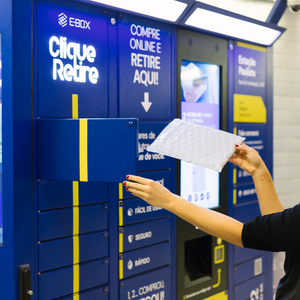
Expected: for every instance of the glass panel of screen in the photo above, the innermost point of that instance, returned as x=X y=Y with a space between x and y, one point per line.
x=200 y=104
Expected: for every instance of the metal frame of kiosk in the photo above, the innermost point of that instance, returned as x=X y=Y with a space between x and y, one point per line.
x=205 y=277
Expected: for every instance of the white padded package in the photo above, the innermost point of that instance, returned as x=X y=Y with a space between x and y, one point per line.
x=197 y=144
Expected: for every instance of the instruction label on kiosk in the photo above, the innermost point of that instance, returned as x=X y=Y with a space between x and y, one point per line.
x=154 y=285
x=145 y=259
x=148 y=132
x=144 y=68
x=137 y=210
x=145 y=234
x=245 y=192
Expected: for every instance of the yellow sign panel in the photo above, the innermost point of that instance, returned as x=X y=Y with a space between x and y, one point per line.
x=249 y=109
x=219 y=296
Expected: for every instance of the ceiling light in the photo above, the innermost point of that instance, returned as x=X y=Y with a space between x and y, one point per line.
x=222 y=24
x=169 y=10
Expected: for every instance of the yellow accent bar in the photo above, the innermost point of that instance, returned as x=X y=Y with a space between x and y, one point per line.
x=120 y=191
x=75 y=193
x=75 y=106
x=249 y=109
x=219 y=279
x=76 y=239
x=121 y=274
x=120 y=214
x=254 y=47
x=235 y=131
x=76 y=279
x=234 y=197
x=120 y=242
x=83 y=149
x=219 y=296
x=234 y=175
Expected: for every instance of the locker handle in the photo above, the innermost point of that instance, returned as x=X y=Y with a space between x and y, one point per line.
x=25 y=291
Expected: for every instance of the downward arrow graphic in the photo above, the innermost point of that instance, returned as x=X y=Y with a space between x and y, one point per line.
x=146 y=104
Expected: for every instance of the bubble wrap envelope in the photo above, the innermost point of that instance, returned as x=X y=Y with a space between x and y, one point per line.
x=196 y=144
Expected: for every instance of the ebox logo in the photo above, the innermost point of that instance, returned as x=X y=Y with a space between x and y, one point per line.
x=62 y=20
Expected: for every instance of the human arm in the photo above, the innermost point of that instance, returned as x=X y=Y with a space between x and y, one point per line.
x=250 y=161
x=207 y=220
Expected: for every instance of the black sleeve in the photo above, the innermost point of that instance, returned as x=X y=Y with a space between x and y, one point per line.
x=274 y=232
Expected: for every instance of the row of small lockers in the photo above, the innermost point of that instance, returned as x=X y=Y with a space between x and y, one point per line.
x=55 y=235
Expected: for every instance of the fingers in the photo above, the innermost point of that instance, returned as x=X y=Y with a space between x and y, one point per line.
x=138 y=179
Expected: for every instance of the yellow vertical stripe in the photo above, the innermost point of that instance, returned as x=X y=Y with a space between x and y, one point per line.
x=75 y=106
x=120 y=191
x=76 y=240
x=121 y=274
x=234 y=175
x=83 y=149
x=76 y=281
x=234 y=130
x=234 y=196
x=120 y=242
x=120 y=214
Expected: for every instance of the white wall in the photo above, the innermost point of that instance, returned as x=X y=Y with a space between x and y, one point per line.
x=287 y=110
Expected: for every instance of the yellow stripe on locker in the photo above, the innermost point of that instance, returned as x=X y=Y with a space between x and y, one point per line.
x=234 y=175
x=83 y=149
x=75 y=106
x=234 y=131
x=76 y=239
x=249 y=46
x=76 y=297
x=76 y=281
x=120 y=214
x=120 y=191
x=120 y=242
x=121 y=274
x=234 y=197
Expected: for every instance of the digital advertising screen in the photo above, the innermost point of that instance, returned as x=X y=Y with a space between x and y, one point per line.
x=200 y=104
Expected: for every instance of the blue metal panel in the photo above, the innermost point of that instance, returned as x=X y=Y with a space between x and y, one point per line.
x=146 y=259
x=59 y=253
x=8 y=277
x=138 y=210
x=120 y=140
x=163 y=177
x=146 y=61
x=145 y=234
x=59 y=194
x=252 y=289
x=244 y=254
x=58 y=144
x=148 y=131
x=245 y=192
x=248 y=270
x=246 y=211
x=59 y=283
x=57 y=224
x=58 y=147
x=154 y=283
x=101 y=293
x=81 y=25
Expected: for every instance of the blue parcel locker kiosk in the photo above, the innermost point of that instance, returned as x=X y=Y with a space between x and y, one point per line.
x=201 y=99
x=85 y=90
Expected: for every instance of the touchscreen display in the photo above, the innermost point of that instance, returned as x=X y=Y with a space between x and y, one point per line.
x=200 y=104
